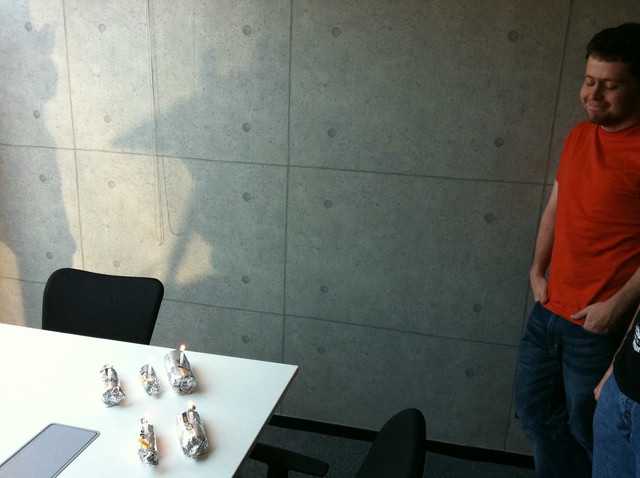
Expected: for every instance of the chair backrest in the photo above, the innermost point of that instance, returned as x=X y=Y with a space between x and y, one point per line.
x=100 y=305
x=399 y=448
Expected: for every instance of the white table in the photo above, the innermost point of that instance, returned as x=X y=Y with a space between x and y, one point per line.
x=52 y=377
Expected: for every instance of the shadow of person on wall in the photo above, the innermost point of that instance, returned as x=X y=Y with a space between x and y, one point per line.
x=221 y=198
x=34 y=231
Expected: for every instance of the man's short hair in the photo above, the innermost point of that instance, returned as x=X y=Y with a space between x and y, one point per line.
x=620 y=44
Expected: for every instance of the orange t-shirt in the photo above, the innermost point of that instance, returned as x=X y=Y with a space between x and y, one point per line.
x=596 y=247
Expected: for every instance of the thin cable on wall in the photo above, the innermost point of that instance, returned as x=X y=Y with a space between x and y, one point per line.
x=158 y=178
x=161 y=195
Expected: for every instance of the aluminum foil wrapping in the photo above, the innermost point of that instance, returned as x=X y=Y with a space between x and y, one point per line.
x=181 y=377
x=191 y=435
x=149 y=380
x=113 y=393
x=147 y=450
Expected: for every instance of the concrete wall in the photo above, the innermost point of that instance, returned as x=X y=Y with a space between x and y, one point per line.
x=350 y=186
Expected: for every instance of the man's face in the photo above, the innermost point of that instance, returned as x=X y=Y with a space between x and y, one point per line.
x=610 y=95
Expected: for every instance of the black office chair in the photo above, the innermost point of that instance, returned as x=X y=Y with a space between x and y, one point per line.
x=398 y=451
x=100 y=305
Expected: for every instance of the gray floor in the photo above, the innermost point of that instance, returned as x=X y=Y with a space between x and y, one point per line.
x=345 y=455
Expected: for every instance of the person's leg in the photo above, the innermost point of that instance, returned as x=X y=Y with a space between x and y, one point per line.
x=539 y=396
x=613 y=451
x=585 y=357
x=635 y=435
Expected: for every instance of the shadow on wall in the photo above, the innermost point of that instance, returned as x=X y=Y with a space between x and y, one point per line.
x=34 y=230
x=222 y=222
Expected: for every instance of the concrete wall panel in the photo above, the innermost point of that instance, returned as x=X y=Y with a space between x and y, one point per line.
x=213 y=232
x=34 y=84
x=222 y=91
x=218 y=330
x=39 y=227
x=411 y=254
x=435 y=88
x=21 y=302
x=109 y=73
x=118 y=196
x=345 y=378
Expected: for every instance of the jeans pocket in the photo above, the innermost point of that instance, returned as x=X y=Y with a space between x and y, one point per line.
x=600 y=335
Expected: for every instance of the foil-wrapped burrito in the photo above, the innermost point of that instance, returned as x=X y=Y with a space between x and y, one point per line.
x=149 y=380
x=181 y=377
x=113 y=393
x=191 y=435
x=147 y=450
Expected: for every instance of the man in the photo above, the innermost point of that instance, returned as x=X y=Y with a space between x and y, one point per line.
x=589 y=240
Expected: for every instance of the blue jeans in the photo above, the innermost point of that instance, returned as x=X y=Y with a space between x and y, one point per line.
x=616 y=434
x=560 y=364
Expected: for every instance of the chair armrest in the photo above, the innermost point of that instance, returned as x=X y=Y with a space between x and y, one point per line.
x=281 y=461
